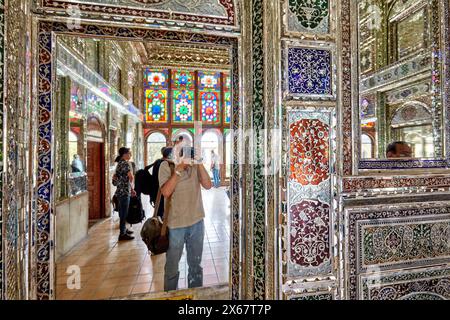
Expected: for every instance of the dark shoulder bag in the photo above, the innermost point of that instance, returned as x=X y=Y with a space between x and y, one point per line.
x=155 y=233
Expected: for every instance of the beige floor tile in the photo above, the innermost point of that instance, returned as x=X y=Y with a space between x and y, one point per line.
x=141 y=288
x=122 y=291
x=127 y=280
x=116 y=269
x=144 y=279
x=104 y=293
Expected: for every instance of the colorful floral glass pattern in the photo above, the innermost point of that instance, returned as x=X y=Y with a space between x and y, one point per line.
x=210 y=107
x=227 y=107
x=156 y=105
x=227 y=98
x=309 y=72
x=209 y=80
x=183 y=79
x=156 y=79
x=156 y=85
x=309 y=233
x=209 y=84
x=183 y=110
x=309 y=151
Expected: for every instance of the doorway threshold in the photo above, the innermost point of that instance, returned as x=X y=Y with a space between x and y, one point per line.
x=218 y=292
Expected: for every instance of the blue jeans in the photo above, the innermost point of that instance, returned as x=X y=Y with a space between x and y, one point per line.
x=216 y=178
x=124 y=203
x=193 y=237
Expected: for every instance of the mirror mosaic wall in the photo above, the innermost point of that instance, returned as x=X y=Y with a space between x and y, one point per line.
x=401 y=78
x=357 y=76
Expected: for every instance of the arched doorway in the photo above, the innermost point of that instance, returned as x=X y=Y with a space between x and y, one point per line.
x=95 y=169
x=366 y=147
x=211 y=142
x=155 y=142
x=187 y=137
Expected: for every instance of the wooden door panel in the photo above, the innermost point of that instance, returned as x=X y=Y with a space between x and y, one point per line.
x=95 y=174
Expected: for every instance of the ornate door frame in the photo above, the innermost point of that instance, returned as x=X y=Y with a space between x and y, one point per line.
x=47 y=31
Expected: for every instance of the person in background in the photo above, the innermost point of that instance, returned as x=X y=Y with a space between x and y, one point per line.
x=398 y=149
x=123 y=179
x=215 y=168
x=77 y=165
x=185 y=218
x=166 y=153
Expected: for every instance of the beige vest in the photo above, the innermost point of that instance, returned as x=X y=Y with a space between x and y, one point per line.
x=186 y=208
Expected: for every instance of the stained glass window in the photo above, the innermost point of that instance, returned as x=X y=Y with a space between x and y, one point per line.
x=209 y=85
x=227 y=98
x=156 y=83
x=209 y=80
x=183 y=100
x=183 y=96
x=210 y=107
x=156 y=79
x=156 y=105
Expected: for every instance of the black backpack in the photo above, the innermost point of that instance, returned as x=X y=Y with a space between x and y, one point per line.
x=146 y=182
x=135 y=211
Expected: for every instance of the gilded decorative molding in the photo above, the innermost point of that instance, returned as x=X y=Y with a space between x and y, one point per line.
x=189 y=56
x=145 y=14
x=398 y=183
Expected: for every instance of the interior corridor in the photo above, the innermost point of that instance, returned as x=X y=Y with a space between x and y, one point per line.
x=112 y=269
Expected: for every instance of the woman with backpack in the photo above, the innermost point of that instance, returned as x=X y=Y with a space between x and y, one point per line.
x=123 y=180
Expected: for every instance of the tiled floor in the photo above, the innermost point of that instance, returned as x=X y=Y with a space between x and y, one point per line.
x=112 y=269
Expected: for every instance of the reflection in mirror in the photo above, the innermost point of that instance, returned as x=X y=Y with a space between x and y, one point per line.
x=400 y=103
x=96 y=115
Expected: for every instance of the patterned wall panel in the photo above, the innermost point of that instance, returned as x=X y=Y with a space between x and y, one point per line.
x=309 y=73
x=45 y=183
x=308 y=16
x=419 y=284
x=188 y=12
x=16 y=147
x=309 y=193
x=259 y=219
x=44 y=267
x=382 y=238
x=313 y=297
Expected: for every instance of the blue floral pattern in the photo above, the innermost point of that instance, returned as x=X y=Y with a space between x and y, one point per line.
x=309 y=71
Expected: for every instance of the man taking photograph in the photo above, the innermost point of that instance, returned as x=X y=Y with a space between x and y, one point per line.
x=185 y=217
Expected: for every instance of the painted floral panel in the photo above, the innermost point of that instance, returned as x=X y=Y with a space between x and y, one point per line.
x=309 y=233
x=309 y=154
x=308 y=16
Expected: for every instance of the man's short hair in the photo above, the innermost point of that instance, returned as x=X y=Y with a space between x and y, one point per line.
x=392 y=147
x=180 y=138
x=166 y=152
